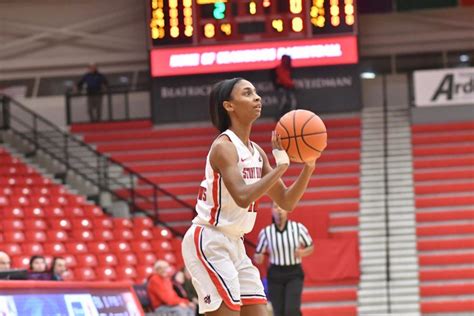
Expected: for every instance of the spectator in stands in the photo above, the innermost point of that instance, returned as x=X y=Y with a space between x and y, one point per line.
x=4 y=261
x=178 y=284
x=285 y=275
x=38 y=269
x=162 y=295
x=58 y=267
x=95 y=83
x=189 y=287
x=285 y=86
x=183 y=286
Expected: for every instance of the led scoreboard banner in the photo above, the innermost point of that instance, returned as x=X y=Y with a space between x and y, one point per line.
x=206 y=36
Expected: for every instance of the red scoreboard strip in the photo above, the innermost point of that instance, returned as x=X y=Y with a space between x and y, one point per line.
x=253 y=56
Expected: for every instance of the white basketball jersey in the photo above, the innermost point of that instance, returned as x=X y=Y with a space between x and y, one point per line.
x=215 y=206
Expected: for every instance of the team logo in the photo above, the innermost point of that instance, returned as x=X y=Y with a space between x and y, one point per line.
x=207 y=299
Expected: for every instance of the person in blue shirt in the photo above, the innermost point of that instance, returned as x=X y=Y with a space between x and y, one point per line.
x=95 y=84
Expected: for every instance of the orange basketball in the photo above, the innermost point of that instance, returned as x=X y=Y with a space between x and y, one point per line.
x=303 y=135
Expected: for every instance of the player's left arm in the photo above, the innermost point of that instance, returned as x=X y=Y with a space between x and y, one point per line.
x=287 y=197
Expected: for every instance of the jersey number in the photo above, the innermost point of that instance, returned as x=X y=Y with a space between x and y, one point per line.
x=252 y=208
x=202 y=194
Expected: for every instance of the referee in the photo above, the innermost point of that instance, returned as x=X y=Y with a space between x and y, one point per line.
x=286 y=242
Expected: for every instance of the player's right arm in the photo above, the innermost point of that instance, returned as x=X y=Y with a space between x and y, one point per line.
x=224 y=160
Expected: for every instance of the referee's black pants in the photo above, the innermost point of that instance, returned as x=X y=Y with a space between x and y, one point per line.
x=285 y=285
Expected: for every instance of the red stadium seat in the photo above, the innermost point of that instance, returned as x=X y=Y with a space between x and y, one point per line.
x=11 y=249
x=35 y=224
x=143 y=234
x=36 y=236
x=54 y=248
x=161 y=233
x=34 y=212
x=32 y=248
x=103 y=223
x=54 y=212
x=68 y=275
x=74 y=211
x=143 y=272
x=12 y=224
x=168 y=256
x=126 y=273
x=161 y=245
x=83 y=235
x=146 y=258
x=107 y=259
x=123 y=234
x=86 y=260
x=122 y=223
x=40 y=200
x=91 y=211
x=12 y=212
x=13 y=236
x=98 y=247
x=18 y=200
x=119 y=246
x=76 y=247
x=4 y=200
x=70 y=261
x=103 y=234
x=57 y=235
x=74 y=200
x=84 y=274
x=20 y=261
x=140 y=246
x=60 y=224
x=143 y=222
x=127 y=258
x=81 y=223
x=105 y=274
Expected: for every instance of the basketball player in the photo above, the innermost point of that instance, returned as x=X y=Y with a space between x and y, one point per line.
x=237 y=174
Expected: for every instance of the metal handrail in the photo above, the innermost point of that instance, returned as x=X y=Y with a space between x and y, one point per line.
x=109 y=92
x=5 y=103
x=103 y=161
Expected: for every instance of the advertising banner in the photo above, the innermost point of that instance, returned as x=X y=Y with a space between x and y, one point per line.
x=444 y=87
x=319 y=89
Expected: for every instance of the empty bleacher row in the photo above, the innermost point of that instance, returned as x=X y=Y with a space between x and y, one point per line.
x=444 y=195
x=41 y=217
x=174 y=157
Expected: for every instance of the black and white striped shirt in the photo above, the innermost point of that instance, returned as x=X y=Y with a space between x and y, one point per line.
x=281 y=245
